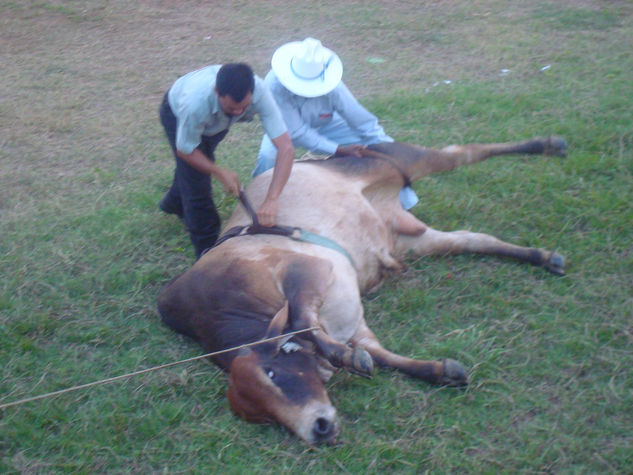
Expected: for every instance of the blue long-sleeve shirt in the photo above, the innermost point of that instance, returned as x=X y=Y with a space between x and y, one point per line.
x=304 y=116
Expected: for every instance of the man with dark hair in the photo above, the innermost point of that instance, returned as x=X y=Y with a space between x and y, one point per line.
x=236 y=80
x=196 y=113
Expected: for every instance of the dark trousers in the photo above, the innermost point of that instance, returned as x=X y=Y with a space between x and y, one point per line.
x=190 y=194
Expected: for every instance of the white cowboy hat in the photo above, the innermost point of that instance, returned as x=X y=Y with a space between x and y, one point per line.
x=307 y=68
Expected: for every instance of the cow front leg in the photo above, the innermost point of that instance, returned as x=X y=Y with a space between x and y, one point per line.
x=305 y=284
x=354 y=359
x=446 y=372
x=437 y=243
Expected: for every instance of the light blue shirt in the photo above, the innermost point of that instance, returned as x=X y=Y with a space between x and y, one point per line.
x=195 y=105
x=304 y=116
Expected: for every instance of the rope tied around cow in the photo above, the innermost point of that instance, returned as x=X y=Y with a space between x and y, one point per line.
x=297 y=233
x=155 y=368
x=292 y=232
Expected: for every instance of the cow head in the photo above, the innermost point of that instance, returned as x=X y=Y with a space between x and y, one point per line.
x=280 y=382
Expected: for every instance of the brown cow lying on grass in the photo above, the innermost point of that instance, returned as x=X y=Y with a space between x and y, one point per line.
x=351 y=229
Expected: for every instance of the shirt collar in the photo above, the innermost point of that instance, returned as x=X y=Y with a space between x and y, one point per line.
x=214 y=103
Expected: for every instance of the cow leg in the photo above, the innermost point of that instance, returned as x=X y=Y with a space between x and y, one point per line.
x=354 y=359
x=417 y=162
x=455 y=156
x=305 y=284
x=434 y=243
x=444 y=372
x=403 y=222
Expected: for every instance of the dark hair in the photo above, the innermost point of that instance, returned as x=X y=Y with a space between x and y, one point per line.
x=236 y=80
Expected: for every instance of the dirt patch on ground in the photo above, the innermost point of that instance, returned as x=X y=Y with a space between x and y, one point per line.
x=82 y=81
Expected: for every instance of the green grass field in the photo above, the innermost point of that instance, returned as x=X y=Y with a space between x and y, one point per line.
x=84 y=250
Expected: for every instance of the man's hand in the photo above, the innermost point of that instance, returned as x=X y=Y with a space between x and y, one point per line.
x=267 y=212
x=350 y=150
x=229 y=179
x=198 y=160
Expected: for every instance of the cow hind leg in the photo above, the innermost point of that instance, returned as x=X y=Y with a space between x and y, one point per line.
x=472 y=153
x=446 y=372
x=403 y=222
x=418 y=162
x=454 y=156
x=437 y=243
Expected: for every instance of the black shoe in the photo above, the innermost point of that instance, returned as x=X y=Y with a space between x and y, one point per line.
x=167 y=207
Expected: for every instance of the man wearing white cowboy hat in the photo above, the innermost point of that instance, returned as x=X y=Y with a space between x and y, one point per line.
x=321 y=114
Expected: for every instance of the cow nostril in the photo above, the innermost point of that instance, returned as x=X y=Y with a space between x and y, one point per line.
x=322 y=428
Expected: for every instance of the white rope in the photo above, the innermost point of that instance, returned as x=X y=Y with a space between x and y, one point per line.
x=136 y=373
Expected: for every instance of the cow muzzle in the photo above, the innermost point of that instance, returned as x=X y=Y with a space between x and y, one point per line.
x=316 y=424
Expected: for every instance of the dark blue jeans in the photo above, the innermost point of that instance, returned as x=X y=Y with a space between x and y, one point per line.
x=190 y=194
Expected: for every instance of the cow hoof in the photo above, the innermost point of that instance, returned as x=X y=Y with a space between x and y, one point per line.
x=454 y=374
x=556 y=146
x=555 y=264
x=362 y=362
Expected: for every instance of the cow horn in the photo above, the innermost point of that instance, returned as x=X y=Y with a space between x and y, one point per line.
x=276 y=327
x=244 y=352
x=278 y=323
